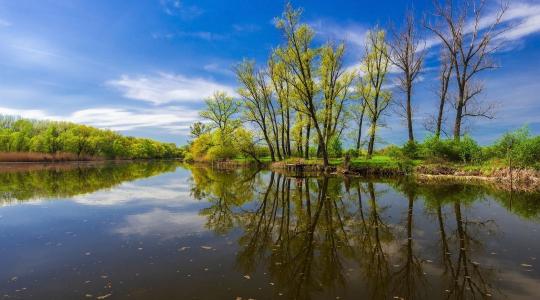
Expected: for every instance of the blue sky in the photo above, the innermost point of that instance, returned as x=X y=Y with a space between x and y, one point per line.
x=144 y=67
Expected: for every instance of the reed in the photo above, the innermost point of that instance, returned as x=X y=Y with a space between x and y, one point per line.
x=44 y=157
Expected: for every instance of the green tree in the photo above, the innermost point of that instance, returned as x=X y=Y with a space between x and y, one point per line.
x=375 y=67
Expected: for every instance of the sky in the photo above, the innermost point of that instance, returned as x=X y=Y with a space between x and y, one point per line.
x=143 y=68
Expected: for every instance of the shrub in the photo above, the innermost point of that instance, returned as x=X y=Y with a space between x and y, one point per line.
x=519 y=147
x=411 y=150
x=435 y=148
x=468 y=149
x=335 y=149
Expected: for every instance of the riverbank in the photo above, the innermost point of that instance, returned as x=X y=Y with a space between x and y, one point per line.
x=500 y=176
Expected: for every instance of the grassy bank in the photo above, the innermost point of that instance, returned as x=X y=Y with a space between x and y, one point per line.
x=493 y=171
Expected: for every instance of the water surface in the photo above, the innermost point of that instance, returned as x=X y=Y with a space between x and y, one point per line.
x=162 y=231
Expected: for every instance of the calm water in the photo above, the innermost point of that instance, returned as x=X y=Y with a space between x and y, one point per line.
x=164 y=231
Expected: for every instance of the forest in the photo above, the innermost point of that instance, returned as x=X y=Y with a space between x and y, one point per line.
x=304 y=103
x=34 y=140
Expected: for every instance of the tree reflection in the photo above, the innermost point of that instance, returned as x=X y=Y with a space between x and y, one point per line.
x=319 y=236
x=461 y=246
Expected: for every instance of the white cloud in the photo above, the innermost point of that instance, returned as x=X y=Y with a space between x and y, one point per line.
x=528 y=21
x=173 y=119
x=520 y=20
x=167 y=88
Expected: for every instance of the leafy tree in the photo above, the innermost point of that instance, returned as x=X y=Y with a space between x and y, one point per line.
x=375 y=67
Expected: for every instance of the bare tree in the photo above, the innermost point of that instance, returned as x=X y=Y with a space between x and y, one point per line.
x=406 y=55
x=469 y=38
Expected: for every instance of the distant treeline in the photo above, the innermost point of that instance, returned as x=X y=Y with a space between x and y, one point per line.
x=73 y=141
x=69 y=180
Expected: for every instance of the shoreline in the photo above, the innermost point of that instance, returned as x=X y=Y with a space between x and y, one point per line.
x=517 y=179
x=521 y=179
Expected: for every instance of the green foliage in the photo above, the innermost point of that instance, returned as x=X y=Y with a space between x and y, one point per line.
x=212 y=146
x=439 y=149
x=22 y=135
x=335 y=147
x=468 y=149
x=411 y=150
x=519 y=148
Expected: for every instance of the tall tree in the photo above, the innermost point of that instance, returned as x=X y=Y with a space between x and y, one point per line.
x=257 y=97
x=278 y=75
x=469 y=35
x=406 y=55
x=300 y=57
x=334 y=84
x=375 y=68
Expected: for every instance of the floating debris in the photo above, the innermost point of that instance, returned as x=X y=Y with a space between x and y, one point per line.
x=183 y=248
x=206 y=247
x=104 y=296
x=526 y=265
x=247 y=277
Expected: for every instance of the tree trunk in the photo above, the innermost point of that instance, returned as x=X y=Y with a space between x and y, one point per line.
x=270 y=147
x=459 y=116
x=359 y=138
x=409 y=113
x=306 y=151
x=371 y=144
x=440 y=118
x=288 y=131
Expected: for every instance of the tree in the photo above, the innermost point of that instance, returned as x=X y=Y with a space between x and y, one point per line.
x=278 y=75
x=470 y=45
x=220 y=111
x=257 y=103
x=375 y=68
x=299 y=57
x=334 y=85
x=406 y=55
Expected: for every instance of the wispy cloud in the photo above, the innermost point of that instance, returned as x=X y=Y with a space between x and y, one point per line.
x=180 y=9
x=247 y=28
x=520 y=20
x=218 y=69
x=199 y=35
x=165 y=88
x=524 y=19
x=354 y=35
